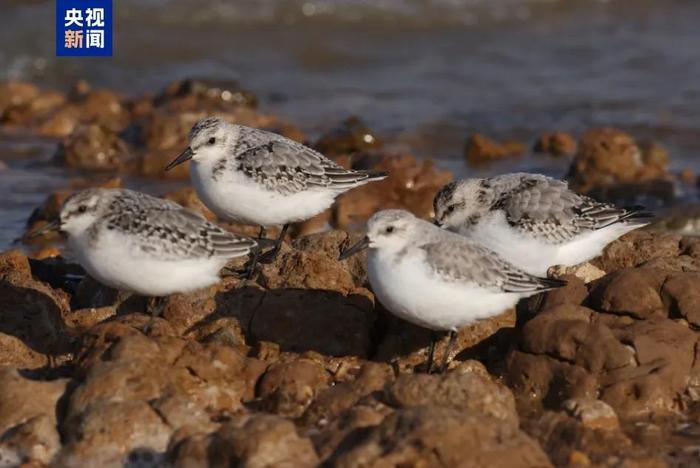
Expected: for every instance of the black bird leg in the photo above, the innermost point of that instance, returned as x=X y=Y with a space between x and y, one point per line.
x=271 y=254
x=448 y=351
x=156 y=305
x=434 y=337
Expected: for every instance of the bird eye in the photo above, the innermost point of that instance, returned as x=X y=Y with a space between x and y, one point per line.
x=82 y=209
x=211 y=141
x=450 y=208
x=389 y=229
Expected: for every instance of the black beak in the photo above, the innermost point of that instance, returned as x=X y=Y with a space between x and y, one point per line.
x=52 y=226
x=359 y=247
x=437 y=223
x=184 y=156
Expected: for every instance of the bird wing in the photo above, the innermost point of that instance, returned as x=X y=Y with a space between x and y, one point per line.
x=470 y=263
x=289 y=167
x=168 y=231
x=547 y=209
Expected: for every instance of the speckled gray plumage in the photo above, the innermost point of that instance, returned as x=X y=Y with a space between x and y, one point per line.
x=542 y=207
x=456 y=258
x=161 y=228
x=286 y=166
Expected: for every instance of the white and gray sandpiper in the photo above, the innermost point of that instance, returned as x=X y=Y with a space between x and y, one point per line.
x=146 y=245
x=261 y=178
x=533 y=221
x=438 y=279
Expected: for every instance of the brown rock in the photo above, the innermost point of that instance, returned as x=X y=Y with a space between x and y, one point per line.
x=440 y=436
x=608 y=156
x=351 y=136
x=635 y=366
x=406 y=345
x=481 y=149
x=411 y=185
x=468 y=392
x=28 y=416
x=636 y=248
x=311 y=319
x=15 y=94
x=93 y=147
x=594 y=414
x=217 y=93
x=104 y=108
x=288 y=388
x=32 y=312
x=681 y=295
x=255 y=441
x=632 y=292
x=556 y=144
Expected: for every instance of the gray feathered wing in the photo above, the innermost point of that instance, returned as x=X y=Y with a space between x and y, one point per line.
x=549 y=210
x=291 y=167
x=470 y=263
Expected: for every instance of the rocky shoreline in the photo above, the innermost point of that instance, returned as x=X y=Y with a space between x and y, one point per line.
x=303 y=367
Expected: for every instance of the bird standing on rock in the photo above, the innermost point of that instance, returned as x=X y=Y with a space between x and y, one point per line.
x=437 y=279
x=257 y=177
x=533 y=221
x=131 y=241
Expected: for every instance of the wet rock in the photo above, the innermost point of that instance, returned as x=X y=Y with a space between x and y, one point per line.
x=206 y=93
x=608 y=156
x=411 y=185
x=103 y=108
x=440 y=436
x=288 y=388
x=15 y=94
x=481 y=149
x=28 y=417
x=351 y=136
x=556 y=144
x=468 y=392
x=94 y=148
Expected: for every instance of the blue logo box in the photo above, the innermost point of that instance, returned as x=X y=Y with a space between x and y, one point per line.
x=84 y=28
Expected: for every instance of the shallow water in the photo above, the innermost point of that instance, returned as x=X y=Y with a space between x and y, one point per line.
x=423 y=72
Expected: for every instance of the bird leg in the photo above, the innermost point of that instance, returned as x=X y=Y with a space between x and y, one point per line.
x=156 y=305
x=263 y=232
x=270 y=255
x=448 y=351
x=431 y=351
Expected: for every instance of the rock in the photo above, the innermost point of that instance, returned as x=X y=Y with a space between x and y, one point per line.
x=635 y=248
x=481 y=149
x=288 y=388
x=468 y=392
x=32 y=312
x=15 y=94
x=103 y=108
x=206 y=92
x=570 y=351
x=406 y=345
x=586 y=272
x=556 y=144
x=351 y=136
x=441 y=436
x=608 y=156
x=594 y=414
x=94 y=148
x=632 y=292
x=311 y=319
x=681 y=296
x=28 y=416
x=255 y=440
